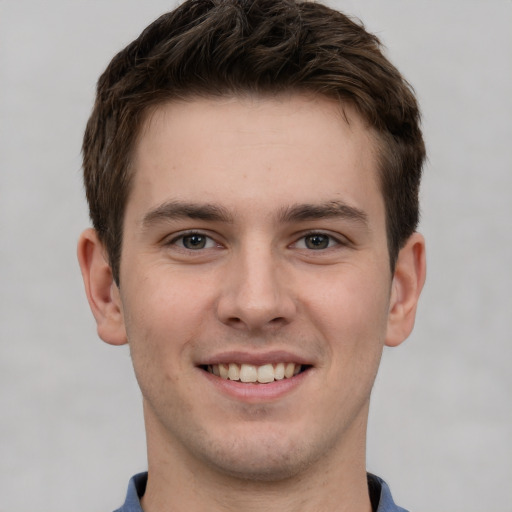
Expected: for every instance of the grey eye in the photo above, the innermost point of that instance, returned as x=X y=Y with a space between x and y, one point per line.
x=194 y=241
x=317 y=241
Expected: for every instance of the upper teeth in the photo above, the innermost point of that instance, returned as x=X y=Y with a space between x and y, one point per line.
x=252 y=373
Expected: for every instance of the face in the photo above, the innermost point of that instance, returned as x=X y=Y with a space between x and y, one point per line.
x=254 y=282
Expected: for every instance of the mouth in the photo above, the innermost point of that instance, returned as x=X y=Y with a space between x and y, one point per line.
x=256 y=374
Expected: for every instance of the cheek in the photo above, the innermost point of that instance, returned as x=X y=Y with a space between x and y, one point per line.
x=162 y=321
x=352 y=306
x=166 y=304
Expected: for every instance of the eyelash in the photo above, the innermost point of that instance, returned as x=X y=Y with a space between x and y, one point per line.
x=190 y=234
x=332 y=241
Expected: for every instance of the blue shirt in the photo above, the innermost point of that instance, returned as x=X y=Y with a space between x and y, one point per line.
x=380 y=495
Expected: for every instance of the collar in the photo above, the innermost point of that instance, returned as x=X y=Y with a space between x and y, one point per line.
x=380 y=495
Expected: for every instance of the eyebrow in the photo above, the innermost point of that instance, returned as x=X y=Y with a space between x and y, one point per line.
x=331 y=209
x=173 y=210
x=178 y=210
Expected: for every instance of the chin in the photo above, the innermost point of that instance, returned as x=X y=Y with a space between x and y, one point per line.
x=264 y=458
x=261 y=470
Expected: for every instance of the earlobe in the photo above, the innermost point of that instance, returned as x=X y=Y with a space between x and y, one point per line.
x=408 y=280
x=100 y=288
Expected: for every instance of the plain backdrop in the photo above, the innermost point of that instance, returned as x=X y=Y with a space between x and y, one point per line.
x=71 y=425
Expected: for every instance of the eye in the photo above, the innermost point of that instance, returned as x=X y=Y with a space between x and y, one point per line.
x=194 y=241
x=316 y=242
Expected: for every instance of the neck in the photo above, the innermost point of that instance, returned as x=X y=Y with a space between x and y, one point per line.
x=172 y=492
x=180 y=482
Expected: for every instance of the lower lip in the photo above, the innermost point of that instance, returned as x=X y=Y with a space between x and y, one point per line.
x=254 y=392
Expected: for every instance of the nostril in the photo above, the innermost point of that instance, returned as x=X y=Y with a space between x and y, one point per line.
x=234 y=321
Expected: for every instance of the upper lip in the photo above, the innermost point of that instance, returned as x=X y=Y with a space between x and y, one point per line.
x=254 y=358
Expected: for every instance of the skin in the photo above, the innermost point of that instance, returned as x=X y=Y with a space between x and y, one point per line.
x=259 y=181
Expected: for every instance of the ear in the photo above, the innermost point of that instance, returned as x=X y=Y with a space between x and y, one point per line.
x=100 y=288
x=408 y=280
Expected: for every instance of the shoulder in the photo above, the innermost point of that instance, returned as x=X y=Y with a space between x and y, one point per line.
x=136 y=489
x=380 y=495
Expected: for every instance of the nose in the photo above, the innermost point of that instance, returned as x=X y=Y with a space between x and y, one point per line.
x=255 y=293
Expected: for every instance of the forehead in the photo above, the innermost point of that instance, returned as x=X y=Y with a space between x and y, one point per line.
x=295 y=148
x=285 y=110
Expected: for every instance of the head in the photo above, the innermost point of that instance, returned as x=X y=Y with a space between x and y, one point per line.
x=226 y=48
x=252 y=170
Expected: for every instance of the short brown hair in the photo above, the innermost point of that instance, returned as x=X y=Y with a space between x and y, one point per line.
x=230 y=47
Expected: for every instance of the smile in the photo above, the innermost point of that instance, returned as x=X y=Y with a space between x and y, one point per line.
x=250 y=373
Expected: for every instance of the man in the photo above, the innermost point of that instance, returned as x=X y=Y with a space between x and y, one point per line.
x=252 y=171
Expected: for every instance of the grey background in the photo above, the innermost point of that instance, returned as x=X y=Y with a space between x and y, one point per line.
x=71 y=425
